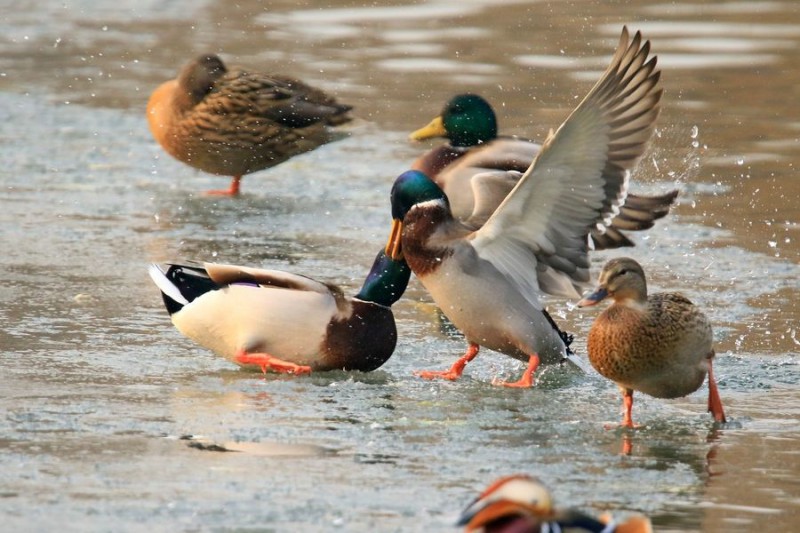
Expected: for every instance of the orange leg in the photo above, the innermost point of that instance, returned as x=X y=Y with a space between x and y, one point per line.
x=268 y=362
x=527 y=377
x=714 y=401
x=456 y=370
x=627 y=403
x=627 y=407
x=232 y=191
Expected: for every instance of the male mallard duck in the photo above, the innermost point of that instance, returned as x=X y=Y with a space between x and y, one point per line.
x=488 y=282
x=285 y=322
x=236 y=122
x=659 y=344
x=521 y=504
x=477 y=169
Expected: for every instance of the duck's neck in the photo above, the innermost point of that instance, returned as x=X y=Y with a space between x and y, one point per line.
x=436 y=160
x=427 y=230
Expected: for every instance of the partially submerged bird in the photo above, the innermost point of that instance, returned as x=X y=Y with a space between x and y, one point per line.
x=234 y=122
x=488 y=282
x=477 y=168
x=522 y=504
x=285 y=322
x=659 y=344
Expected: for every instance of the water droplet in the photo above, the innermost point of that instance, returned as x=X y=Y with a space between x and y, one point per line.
x=695 y=132
x=740 y=160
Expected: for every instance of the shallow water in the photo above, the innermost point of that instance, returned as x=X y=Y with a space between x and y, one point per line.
x=97 y=388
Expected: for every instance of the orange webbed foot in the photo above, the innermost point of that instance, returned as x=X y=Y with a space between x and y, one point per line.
x=268 y=362
x=455 y=371
x=526 y=381
x=438 y=374
x=233 y=190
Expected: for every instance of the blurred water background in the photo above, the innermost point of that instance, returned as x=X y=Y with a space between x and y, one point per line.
x=97 y=388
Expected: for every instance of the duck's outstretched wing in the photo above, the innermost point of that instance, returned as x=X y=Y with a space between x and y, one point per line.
x=578 y=180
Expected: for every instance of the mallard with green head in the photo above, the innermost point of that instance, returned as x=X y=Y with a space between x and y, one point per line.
x=285 y=322
x=489 y=282
x=522 y=504
x=660 y=344
x=477 y=168
x=234 y=122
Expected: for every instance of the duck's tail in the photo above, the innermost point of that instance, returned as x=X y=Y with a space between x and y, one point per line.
x=567 y=339
x=180 y=284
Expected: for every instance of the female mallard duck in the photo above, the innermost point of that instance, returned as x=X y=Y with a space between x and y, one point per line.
x=658 y=344
x=477 y=169
x=488 y=282
x=521 y=504
x=236 y=122
x=285 y=322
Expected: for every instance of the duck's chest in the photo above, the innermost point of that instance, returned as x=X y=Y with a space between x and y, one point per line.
x=624 y=343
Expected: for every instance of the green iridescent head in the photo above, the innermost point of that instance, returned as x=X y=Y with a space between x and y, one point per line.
x=411 y=188
x=386 y=282
x=469 y=120
x=466 y=120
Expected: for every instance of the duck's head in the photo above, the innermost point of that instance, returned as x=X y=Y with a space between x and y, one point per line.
x=622 y=279
x=198 y=77
x=411 y=188
x=386 y=282
x=466 y=120
x=513 y=503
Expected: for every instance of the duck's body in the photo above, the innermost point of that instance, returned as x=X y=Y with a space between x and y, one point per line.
x=268 y=317
x=659 y=344
x=517 y=328
x=236 y=122
x=522 y=504
x=489 y=281
x=477 y=169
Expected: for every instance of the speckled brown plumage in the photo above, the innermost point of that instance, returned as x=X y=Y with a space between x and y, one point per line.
x=646 y=348
x=234 y=122
x=659 y=344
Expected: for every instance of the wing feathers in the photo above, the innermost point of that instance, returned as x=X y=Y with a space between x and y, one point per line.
x=580 y=177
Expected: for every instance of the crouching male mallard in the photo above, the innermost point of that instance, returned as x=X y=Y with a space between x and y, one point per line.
x=281 y=321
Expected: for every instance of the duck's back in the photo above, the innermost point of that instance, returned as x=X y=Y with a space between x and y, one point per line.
x=661 y=349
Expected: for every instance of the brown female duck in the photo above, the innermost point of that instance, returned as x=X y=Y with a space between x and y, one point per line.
x=659 y=344
x=234 y=122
